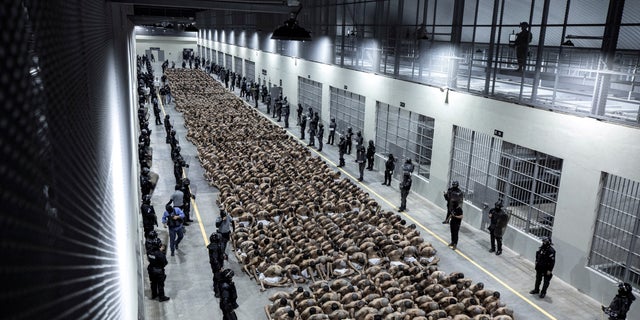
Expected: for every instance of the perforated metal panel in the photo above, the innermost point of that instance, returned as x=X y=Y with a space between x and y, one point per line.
x=59 y=258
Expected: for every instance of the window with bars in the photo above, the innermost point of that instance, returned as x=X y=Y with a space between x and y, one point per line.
x=220 y=58
x=615 y=249
x=250 y=70
x=348 y=110
x=527 y=180
x=310 y=95
x=237 y=65
x=228 y=62
x=406 y=135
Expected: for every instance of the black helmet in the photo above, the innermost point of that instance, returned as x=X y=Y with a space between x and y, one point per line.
x=152 y=234
x=499 y=204
x=214 y=237
x=146 y=199
x=228 y=274
x=156 y=243
x=166 y=117
x=168 y=207
x=546 y=240
x=455 y=184
x=186 y=182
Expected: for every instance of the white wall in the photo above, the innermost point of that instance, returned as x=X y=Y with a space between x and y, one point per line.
x=172 y=46
x=587 y=146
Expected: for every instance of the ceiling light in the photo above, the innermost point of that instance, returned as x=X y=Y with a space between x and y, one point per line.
x=291 y=30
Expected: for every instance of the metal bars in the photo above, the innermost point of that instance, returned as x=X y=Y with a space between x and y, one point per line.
x=405 y=134
x=615 y=249
x=489 y=168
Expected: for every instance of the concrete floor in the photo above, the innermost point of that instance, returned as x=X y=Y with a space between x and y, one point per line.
x=189 y=275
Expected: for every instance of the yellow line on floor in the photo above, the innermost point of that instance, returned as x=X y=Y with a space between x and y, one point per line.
x=193 y=202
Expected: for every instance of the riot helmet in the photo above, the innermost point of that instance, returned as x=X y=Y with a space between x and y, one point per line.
x=146 y=199
x=546 y=241
x=499 y=204
x=228 y=274
x=455 y=184
x=214 y=238
x=156 y=244
x=152 y=234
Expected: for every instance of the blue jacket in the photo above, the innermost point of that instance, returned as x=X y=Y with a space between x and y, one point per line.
x=176 y=223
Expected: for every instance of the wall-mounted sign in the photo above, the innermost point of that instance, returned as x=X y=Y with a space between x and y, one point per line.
x=345 y=87
x=402 y=104
x=264 y=72
x=498 y=133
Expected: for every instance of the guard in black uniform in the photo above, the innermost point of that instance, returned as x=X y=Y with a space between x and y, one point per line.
x=342 y=149
x=285 y=112
x=498 y=224
x=157 y=262
x=545 y=261
x=228 y=296
x=332 y=131
x=456 y=222
x=453 y=194
x=349 y=138
x=621 y=303
x=216 y=260
x=405 y=187
x=361 y=159
x=320 y=136
x=149 y=219
x=150 y=239
x=303 y=126
x=389 y=167
x=371 y=153
x=187 y=196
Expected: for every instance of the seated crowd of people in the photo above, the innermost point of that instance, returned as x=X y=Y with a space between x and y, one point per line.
x=299 y=224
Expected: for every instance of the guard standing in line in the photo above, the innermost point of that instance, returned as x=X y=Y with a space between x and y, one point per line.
x=156 y=110
x=285 y=112
x=456 y=221
x=621 y=303
x=150 y=239
x=453 y=194
x=313 y=127
x=320 y=136
x=186 y=199
x=405 y=187
x=342 y=149
x=545 y=261
x=157 y=262
x=303 y=126
x=149 y=219
x=268 y=103
x=167 y=128
x=361 y=159
x=216 y=260
x=359 y=139
x=371 y=152
x=497 y=226
x=299 y=111
x=389 y=167
x=228 y=296
x=173 y=218
x=349 y=138
x=224 y=225
x=332 y=131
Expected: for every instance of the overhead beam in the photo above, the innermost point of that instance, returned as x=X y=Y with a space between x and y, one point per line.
x=266 y=6
x=139 y=19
